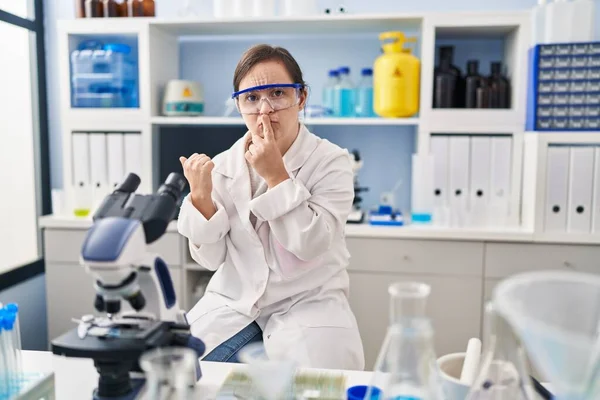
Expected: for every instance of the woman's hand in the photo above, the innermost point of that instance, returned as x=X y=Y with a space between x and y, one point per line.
x=198 y=172
x=264 y=155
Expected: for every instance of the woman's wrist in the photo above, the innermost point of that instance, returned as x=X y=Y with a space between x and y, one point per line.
x=204 y=205
x=277 y=178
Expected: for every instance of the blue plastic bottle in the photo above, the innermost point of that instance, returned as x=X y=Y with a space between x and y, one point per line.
x=364 y=95
x=328 y=90
x=343 y=104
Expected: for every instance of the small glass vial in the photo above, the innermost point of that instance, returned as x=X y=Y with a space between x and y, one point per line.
x=80 y=8
x=115 y=8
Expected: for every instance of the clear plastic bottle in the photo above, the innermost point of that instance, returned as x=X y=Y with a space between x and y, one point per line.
x=364 y=95
x=406 y=368
x=503 y=372
x=328 y=90
x=343 y=104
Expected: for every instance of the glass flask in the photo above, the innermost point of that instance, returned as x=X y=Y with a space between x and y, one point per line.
x=503 y=370
x=406 y=368
x=170 y=373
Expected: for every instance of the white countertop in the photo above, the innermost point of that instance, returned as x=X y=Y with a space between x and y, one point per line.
x=393 y=232
x=76 y=378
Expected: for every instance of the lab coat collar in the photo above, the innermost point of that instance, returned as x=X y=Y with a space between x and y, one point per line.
x=233 y=165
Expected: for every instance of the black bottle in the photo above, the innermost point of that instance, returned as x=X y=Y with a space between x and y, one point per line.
x=473 y=81
x=499 y=87
x=482 y=99
x=444 y=95
x=445 y=67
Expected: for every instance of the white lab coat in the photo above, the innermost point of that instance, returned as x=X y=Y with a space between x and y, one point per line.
x=289 y=272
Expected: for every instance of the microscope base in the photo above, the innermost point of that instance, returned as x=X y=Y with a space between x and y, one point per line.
x=136 y=388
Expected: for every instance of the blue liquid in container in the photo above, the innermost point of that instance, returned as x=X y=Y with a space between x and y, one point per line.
x=364 y=95
x=344 y=95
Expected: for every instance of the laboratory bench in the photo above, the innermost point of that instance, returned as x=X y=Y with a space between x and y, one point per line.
x=461 y=265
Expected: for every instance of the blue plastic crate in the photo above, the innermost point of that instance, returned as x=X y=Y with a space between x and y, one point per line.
x=564 y=87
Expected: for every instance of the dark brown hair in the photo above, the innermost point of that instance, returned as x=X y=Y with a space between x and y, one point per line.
x=261 y=53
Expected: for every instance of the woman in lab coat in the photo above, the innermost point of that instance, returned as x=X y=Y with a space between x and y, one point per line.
x=268 y=217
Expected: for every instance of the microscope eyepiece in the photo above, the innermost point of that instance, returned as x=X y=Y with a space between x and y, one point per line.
x=173 y=186
x=130 y=184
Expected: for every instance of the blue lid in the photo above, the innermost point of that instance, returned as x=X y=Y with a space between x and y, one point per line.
x=117 y=48
x=367 y=71
x=12 y=307
x=360 y=392
x=344 y=70
x=334 y=72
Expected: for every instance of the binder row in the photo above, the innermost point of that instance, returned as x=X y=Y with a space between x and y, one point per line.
x=102 y=160
x=472 y=180
x=572 y=189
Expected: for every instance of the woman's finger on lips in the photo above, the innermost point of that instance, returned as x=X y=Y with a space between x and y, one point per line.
x=267 y=128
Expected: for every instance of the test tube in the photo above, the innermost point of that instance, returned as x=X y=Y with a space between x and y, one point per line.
x=4 y=360
x=13 y=309
x=9 y=323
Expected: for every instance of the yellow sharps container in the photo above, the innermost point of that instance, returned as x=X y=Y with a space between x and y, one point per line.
x=396 y=78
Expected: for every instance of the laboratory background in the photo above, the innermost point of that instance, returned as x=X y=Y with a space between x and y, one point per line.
x=473 y=128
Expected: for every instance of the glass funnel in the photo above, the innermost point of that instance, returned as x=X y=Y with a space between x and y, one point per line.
x=557 y=316
x=503 y=373
x=170 y=373
x=406 y=367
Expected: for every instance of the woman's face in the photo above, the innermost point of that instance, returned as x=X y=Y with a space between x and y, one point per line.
x=284 y=122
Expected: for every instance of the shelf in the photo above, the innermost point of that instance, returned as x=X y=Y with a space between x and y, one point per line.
x=568 y=238
x=441 y=233
x=315 y=24
x=473 y=121
x=228 y=121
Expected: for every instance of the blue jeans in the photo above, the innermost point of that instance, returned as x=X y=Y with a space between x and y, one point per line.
x=228 y=350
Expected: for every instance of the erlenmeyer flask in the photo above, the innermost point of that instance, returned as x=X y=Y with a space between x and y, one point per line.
x=406 y=367
x=503 y=372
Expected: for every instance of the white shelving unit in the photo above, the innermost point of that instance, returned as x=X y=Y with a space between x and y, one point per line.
x=158 y=43
x=226 y=121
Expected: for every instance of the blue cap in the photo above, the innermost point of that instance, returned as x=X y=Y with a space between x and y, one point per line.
x=334 y=72
x=12 y=307
x=117 y=48
x=367 y=71
x=360 y=393
x=344 y=70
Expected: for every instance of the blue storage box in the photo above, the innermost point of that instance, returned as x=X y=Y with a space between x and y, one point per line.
x=564 y=87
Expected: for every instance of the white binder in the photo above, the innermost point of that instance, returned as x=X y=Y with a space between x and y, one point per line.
x=133 y=153
x=557 y=183
x=581 y=180
x=500 y=180
x=596 y=195
x=98 y=166
x=440 y=151
x=479 y=187
x=116 y=159
x=459 y=179
x=81 y=184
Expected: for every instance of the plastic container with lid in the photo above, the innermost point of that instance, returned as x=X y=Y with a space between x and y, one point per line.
x=364 y=95
x=396 y=78
x=328 y=90
x=104 y=78
x=343 y=95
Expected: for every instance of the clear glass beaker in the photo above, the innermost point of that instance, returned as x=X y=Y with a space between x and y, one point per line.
x=503 y=373
x=406 y=367
x=170 y=373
